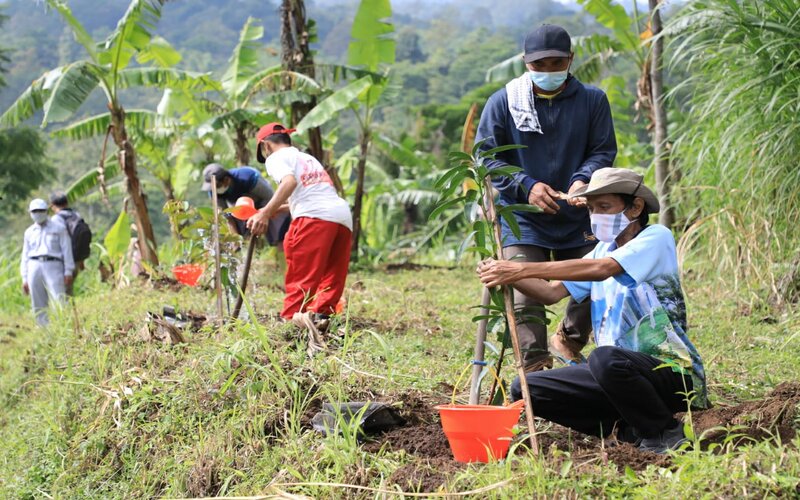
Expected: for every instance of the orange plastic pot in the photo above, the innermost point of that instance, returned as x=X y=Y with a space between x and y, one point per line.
x=479 y=433
x=244 y=208
x=188 y=274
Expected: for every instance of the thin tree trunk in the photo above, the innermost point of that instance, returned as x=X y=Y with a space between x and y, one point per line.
x=663 y=179
x=361 y=169
x=296 y=56
x=242 y=149
x=128 y=164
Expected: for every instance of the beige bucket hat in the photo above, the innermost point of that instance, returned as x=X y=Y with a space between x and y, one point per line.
x=611 y=180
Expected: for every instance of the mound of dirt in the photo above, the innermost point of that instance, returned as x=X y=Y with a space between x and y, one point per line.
x=772 y=416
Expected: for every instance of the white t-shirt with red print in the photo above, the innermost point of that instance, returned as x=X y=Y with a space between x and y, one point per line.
x=315 y=195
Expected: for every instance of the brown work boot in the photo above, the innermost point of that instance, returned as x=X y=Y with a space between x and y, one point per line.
x=536 y=366
x=566 y=349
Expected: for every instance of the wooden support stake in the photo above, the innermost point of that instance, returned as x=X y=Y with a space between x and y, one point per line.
x=512 y=325
x=240 y=300
x=215 y=235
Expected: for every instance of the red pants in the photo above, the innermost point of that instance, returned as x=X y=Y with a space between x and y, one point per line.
x=317 y=258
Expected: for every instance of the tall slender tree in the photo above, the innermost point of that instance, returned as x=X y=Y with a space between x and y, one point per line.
x=297 y=32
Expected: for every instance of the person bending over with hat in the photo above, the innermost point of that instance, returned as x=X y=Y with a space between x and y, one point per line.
x=568 y=133
x=644 y=365
x=317 y=246
x=244 y=181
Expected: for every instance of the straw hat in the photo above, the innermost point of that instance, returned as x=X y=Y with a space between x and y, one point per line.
x=619 y=181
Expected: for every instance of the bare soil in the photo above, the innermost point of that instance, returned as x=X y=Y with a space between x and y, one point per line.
x=774 y=416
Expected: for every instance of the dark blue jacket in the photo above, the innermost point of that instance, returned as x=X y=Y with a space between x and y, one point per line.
x=578 y=139
x=245 y=179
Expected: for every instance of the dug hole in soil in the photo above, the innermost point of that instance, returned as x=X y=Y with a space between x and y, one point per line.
x=423 y=438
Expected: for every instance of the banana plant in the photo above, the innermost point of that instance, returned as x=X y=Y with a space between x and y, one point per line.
x=61 y=91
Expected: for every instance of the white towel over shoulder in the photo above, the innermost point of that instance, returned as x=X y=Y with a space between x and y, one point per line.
x=520 y=104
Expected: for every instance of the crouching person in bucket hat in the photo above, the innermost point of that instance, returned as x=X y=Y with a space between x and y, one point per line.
x=644 y=368
x=317 y=245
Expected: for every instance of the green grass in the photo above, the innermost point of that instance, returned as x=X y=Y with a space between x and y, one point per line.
x=98 y=413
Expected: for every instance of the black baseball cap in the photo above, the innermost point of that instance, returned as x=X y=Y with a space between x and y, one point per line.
x=548 y=40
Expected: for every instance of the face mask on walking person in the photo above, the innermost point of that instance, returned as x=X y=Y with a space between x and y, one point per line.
x=549 y=81
x=606 y=227
x=39 y=217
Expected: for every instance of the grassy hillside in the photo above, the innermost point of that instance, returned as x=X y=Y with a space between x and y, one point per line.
x=90 y=410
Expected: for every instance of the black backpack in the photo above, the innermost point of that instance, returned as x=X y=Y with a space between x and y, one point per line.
x=79 y=233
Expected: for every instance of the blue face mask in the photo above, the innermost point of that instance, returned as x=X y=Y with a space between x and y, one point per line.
x=549 y=81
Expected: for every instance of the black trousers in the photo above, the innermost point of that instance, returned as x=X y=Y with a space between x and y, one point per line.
x=616 y=387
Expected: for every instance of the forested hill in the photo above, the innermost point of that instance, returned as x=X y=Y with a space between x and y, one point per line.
x=205 y=31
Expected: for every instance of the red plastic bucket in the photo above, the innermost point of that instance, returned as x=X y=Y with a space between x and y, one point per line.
x=244 y=209
x=188 y=274
x=479 y=433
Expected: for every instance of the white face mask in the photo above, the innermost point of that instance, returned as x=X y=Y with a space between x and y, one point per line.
x=221 y=189
x=606 y=227
x=39 y=217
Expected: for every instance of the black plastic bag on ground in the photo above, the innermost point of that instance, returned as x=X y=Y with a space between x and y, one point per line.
x=374 y=417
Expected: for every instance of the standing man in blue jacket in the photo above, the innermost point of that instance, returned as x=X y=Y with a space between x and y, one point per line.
x=568 y=133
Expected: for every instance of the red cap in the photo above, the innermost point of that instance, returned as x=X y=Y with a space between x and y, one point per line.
x=266 y=131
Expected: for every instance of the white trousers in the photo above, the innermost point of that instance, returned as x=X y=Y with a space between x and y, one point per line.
x=45 y=281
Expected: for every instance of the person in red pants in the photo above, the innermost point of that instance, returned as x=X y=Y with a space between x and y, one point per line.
x=317 y=245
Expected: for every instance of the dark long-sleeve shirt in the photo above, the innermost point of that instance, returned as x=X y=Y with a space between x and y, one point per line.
x=578 y=139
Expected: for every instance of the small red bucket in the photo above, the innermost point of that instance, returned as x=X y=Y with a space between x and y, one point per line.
x=188 y=274
x=244 y=208
x=479 y=433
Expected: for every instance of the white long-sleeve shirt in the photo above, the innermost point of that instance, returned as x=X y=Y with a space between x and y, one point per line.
x=50 y=239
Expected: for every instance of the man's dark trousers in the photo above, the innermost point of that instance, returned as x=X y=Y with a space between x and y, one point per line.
x=615 y=385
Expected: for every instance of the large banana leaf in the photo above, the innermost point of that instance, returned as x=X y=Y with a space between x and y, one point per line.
x=333 y=104
x=81 y=35
x=132 y=34
x=398 y=152
x=276 y=80
x=232 y=119
x=594 y=52
x=70 y=91
x=118 y=237
x=160 y=52
x=182 y=173
x=116 y=191
x=614 y=17
x=166 y=78
x=329 y=75
x=506 y=70
x=93 y=126
x=31 y=100
x=371 y=45
x=189 y=109
x=91 y=180
x=244 y=60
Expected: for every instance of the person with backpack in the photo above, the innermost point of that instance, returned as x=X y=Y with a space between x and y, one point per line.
x=79 y=232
